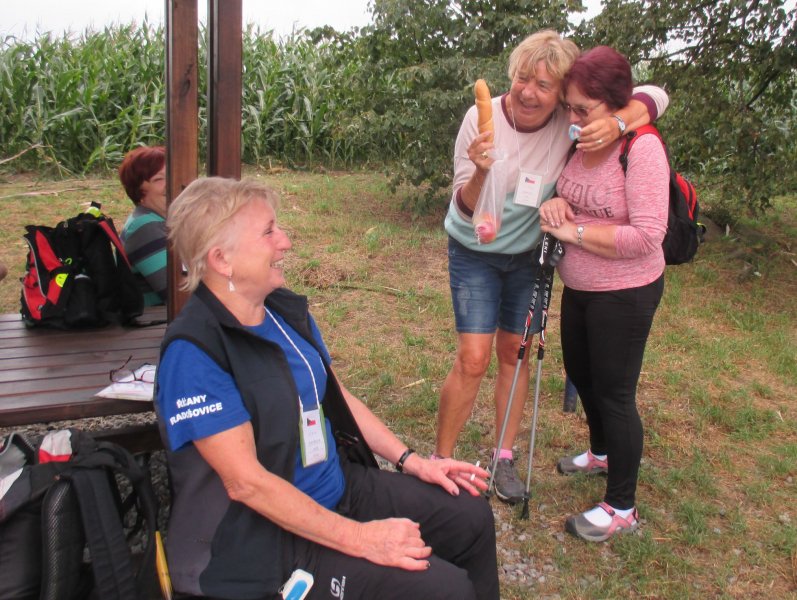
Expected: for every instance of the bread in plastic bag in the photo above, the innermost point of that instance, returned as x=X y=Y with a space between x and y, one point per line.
x=490 y=206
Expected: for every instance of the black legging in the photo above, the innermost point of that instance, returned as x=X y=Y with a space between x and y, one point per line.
x=603 y=342
x=460 y=530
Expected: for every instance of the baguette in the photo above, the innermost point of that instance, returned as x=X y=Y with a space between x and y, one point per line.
x=484 y=107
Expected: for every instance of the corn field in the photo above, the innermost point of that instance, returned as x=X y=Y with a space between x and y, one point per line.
x=77 y=104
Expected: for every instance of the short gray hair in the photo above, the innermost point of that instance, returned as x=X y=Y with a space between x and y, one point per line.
x=200 y=216
x=557 y=53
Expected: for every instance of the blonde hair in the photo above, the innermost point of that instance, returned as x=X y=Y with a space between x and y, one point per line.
x=557 y=53
x=199 y=218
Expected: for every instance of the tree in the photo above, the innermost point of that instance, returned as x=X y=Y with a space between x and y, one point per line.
x=730 y=68
x=437 y=49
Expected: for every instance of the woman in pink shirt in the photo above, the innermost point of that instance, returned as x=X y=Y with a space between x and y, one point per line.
x=612 y=225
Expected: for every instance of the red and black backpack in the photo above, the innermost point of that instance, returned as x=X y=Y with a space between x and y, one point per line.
x=684 y=232
x=78 y=275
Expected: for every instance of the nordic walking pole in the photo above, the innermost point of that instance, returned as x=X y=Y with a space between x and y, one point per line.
x=550 y=251
x=546 y=298
x=520 y=354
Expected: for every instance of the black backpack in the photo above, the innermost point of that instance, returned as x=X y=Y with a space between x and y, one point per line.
x=51 y=511
x=684 y=232
x=78 y=275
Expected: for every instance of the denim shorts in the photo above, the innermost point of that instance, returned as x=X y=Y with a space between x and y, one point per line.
x=490 y=290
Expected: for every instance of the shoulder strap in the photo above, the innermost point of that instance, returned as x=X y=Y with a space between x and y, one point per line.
x=111 y=559
x=110 y=231
x=128 y=294
x=629 y=140
x=570 y=152
x=110 y=556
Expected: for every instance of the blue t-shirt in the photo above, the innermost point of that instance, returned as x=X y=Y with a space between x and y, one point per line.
x=197 y=399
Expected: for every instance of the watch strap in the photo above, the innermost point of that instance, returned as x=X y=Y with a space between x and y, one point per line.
x=403 y=458
x=620 y=123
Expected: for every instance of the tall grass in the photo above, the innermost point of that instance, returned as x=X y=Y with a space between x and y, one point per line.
x=82 y=103
x=76 y=104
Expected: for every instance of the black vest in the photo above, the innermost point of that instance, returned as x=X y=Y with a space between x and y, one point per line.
x=217 y=547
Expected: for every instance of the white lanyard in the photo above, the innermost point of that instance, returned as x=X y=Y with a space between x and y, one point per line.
x=299 y=352
x=312 y=427
x=550 y=143
x=530 y=185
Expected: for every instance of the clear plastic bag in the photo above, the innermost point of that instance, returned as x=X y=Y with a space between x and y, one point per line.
x=490 y=206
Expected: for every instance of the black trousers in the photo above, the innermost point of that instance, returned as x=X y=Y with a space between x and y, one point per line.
x=603 y=343
x=460 y=531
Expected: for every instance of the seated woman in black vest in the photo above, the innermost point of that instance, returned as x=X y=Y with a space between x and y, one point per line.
x=270 y=455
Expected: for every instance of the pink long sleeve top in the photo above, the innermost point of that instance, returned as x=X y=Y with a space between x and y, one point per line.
x=637 y=203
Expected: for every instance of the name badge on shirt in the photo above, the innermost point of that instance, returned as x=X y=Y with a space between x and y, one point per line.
x=313 y=437
x=529 y=189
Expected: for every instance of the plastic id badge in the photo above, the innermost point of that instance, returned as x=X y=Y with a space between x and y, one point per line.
x=313 y=437
x=298 y=586
x=529 y=189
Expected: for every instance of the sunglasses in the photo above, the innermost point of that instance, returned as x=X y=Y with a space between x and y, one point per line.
x=123 y=374
x=582 y=111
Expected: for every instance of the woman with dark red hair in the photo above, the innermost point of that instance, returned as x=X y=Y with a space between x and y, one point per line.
x=612 y=224
x=143 y=175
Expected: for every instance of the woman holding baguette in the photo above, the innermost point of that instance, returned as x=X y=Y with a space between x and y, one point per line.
x=491 y=283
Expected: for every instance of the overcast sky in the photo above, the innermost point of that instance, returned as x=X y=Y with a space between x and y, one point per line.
x=23 y=18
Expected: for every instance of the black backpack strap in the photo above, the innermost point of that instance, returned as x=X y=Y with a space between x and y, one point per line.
x=111 y=559
x=131 y=299
x=146 y=502
x=571 y=151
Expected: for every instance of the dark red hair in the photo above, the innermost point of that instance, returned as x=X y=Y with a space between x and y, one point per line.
x=602 y=74
x=138 y=166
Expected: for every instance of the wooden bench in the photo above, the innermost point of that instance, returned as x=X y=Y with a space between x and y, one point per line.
x=51 y=375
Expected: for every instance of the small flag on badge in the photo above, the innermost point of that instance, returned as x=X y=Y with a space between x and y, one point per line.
x=310 y=422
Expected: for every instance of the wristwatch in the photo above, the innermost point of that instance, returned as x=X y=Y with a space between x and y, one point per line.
x=620 y=123
x=580 y=234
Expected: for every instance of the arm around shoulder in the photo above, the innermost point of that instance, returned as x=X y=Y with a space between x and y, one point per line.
x=655 y=99
x=647 y=104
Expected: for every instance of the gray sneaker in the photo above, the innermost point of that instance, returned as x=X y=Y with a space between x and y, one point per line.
x=508 y=486
x=567 y=465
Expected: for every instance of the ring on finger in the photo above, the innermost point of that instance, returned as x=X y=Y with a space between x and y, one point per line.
x=600 y=142
x=483 y=155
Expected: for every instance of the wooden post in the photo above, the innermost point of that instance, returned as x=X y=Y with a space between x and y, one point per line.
x=225 y=49
x=182 y=119
x=224 y=87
